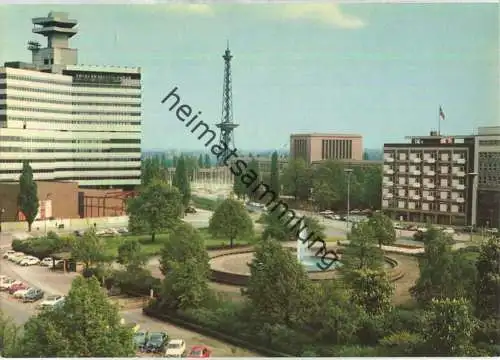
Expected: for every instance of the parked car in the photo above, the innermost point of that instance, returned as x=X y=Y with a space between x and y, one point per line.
x=18 y=294
x=7 y=283
x=57 y=264
x=29 y=261
x=156 y=342
x=190 y=210
x=123 y=231
x=175 y=348
x=140 y=339
x=48 y=261
x=33 y=295
x=79 y=233
x=398 y=226
x=15 y=287
x=51 y=300
x=199 y=351
x=449 y=231
x=16 y=256
x=8 y=253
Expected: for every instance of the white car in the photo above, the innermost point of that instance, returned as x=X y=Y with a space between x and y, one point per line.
x=16 y=256
x=48 y=261
x=29 y=261
x=8 y=253
x=175 y=348
x=6 y=284
x=449 y=231
x=55 y=263
x=20 y=293
x=51 y=300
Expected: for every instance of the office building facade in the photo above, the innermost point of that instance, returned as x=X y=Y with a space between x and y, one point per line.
x=318 y=147
x=71 y=122
x=431 y=179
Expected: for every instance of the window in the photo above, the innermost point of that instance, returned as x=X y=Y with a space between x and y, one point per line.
x=46 y=61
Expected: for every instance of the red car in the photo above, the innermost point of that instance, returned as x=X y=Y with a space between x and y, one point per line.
x=199 y=352
x=16 y=287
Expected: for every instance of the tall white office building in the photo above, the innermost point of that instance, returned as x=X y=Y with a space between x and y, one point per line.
x=71 y=122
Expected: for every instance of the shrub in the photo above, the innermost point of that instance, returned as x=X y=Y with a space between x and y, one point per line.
x=135 y=283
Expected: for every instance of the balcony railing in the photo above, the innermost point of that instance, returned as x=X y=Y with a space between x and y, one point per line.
x=429 y=173
x=430 y=160
x=444 y=159
x=460 y=200
x=416 y=197
x=459 y=173
x=429 y=198
x=388 y=171
x=415 y=185
x=416 y=172
x=459 y=161
x=388 y=196
x=389 y=159
x=416 y=160
x=459 y=186
x=388 y=183
x=429 y=186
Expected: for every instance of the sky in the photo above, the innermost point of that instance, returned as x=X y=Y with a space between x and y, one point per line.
x=379 y=70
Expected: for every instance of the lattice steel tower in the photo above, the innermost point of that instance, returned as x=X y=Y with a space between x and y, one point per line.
x=227 y=125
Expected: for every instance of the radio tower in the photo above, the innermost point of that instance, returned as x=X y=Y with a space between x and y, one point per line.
x=226 y=125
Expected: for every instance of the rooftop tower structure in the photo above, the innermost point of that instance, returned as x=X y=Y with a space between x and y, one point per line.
x=227 y=125
x=58 y=29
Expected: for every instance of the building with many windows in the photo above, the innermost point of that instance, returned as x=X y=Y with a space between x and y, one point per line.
x=316 y=147
x=71 y=122
x=431 y=179
x=488 y=159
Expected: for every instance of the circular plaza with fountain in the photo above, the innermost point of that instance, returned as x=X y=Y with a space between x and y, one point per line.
x=232 y=267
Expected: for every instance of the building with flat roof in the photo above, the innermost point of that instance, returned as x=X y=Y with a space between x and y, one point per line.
x=430 y=179
x=71 y=122
x=316 y=147
x=488 y=159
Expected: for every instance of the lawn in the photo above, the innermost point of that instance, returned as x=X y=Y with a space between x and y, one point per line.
x=111 y=244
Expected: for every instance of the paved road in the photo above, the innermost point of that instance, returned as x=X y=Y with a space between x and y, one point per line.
x=57 y=283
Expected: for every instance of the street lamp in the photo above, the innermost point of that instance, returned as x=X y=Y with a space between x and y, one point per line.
x=2 y=210
x=349 y=173
x=472 y=181
x=45 y=214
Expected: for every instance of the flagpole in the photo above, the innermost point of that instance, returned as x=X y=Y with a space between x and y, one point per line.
x=439 y=121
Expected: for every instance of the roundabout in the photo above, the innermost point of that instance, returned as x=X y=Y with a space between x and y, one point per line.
x=232 y=267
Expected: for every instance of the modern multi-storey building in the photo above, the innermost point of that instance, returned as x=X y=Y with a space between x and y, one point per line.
x=488 y=159
x=431 y=179
x=71 y=122
x=316 y=147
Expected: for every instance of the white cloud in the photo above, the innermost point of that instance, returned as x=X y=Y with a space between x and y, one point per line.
x=326 y=13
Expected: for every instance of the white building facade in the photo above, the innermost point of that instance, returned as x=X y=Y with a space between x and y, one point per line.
x=71 y=122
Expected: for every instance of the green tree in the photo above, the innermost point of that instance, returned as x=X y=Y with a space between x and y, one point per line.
x=86 y=325
x=151 y=169
x=231 y=221
x=28 y=194
x=372 y=290
x=362 y=251
x=488 y=280
x=239 y=188
x=185 y=263
x=329 y=185
x=279 y=290
x=371 y=188
x=157 y=207
x=436 y=268
x=9 y=337
x=131 y=255
x=334 y=317
x=207 y=162
x=275 y=174
x=383 y=229
x=201 y=164
x=296 y=179
x=449 y=328
x=174 y=160
x=88 y=249
x=252 y=193
x=181 y=181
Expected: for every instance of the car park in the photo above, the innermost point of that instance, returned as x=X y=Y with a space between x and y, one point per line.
x=140 y=339
x=156 y=342
x=51 y=301
x=199 y=351
x=33 y=295
x=175 y=348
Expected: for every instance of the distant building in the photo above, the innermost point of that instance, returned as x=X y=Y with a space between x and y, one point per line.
x=316 y=147
x=488 y=158
x=430 y=179
x=71 y=122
